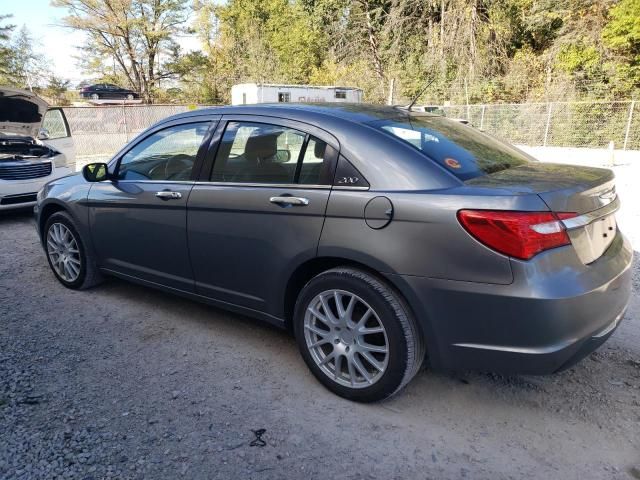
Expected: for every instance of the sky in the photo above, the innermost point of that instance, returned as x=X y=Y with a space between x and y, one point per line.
x=57 y=43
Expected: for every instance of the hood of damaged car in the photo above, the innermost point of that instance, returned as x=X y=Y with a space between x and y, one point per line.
x=21 y=112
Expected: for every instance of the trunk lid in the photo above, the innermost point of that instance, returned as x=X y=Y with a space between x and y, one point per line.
x=587 y=192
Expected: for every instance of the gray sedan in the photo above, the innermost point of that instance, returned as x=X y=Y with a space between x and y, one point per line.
x=384 y=239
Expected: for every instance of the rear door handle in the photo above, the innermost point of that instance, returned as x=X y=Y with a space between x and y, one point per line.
x=168 y=195
x=290 y=201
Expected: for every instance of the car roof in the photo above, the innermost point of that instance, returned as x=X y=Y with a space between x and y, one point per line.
x=354 y=112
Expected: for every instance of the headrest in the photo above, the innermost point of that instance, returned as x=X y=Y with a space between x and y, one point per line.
x=319 y=148
x=261 y=147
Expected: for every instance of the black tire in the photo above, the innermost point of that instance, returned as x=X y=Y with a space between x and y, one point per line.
x=406 y=349
x=89 y=274
x=94 y=96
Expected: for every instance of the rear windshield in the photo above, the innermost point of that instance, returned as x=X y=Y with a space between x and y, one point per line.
x=463 y=150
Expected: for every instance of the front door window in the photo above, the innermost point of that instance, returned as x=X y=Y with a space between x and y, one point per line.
x=165 y=155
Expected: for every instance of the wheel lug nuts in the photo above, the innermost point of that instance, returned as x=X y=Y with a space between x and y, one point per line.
x=336 y=341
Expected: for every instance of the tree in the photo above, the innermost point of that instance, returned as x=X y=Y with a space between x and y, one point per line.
x=131 y=34
x=24 y=68
x=465 y=50
x=56 y=89
x=622 y=36
x=6 y=53
x=271 y=40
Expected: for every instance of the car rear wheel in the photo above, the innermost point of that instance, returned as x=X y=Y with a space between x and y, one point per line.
x=357 y=335
x=95 y=96
x=72 y=264
x=129 y=96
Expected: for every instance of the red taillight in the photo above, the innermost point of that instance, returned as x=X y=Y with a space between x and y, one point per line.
x=517 y=234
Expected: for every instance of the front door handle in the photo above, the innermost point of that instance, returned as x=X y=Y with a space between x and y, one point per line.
x=290 y=201
x=168 y=195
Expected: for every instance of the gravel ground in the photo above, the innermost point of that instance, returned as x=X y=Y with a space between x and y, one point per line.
x=126 y=382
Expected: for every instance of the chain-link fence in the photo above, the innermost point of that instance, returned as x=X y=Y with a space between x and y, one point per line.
x=558 y=124
x=99 y=132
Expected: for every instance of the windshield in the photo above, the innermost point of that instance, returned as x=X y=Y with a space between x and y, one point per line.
x=464 y=151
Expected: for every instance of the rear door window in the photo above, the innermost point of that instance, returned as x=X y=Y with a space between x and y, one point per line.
x=312 y=164
x=462 y=150
x=252 y=152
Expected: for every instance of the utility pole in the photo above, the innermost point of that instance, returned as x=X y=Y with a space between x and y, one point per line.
x=392 y=86
x=629 y=120
x=466 y=94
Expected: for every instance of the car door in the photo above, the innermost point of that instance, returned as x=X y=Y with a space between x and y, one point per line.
x=110 y=91
x=100 y=90
x=260 y=210
x=138 y=219
x=58 y=134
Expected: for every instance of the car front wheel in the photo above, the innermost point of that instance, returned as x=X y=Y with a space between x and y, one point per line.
x=357 y=335
x=130 y=96
x=73 y=265
x=95 y=96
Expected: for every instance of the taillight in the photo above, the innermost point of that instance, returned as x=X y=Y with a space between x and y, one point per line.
x=517 y=234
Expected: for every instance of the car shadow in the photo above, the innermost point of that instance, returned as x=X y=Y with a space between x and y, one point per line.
x=16 y=214
x=584 y=392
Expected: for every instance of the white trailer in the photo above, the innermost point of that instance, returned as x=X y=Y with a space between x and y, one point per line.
x=247 y=93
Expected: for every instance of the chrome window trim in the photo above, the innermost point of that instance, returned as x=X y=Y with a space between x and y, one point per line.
x=587 y=218
x=265 y=185
x=344 y=187
x=158 y=182
x=253 y=185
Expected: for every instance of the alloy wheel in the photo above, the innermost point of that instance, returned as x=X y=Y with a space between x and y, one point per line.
x=346 y=338
x=63 y=252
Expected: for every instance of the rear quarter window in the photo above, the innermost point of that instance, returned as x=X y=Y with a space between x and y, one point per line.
x=464 y=151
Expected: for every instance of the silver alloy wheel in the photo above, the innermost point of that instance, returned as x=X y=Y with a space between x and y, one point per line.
x=63 y=252
x=346 y=338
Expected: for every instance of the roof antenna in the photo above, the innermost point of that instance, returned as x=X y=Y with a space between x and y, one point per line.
x=415 y=99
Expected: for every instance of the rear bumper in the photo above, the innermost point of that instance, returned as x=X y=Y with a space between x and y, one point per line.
x=555 y=312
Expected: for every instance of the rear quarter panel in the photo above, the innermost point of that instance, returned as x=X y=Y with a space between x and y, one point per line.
x=424 y=237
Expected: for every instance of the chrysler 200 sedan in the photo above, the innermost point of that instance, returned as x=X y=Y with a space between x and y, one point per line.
x=383 y=238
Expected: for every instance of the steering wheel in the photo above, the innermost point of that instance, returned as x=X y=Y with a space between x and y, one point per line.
x=177 y=165
x=172 y=167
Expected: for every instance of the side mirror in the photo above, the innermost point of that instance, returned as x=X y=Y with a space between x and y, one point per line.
x=95 y=172
x=43 y=134
x=283 y=156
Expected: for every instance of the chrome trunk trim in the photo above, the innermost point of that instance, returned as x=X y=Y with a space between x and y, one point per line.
x=587 y=218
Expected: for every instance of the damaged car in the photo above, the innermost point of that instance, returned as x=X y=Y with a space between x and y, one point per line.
x=35 y=147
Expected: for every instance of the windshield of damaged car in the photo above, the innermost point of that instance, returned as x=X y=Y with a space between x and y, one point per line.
x=463 y=150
